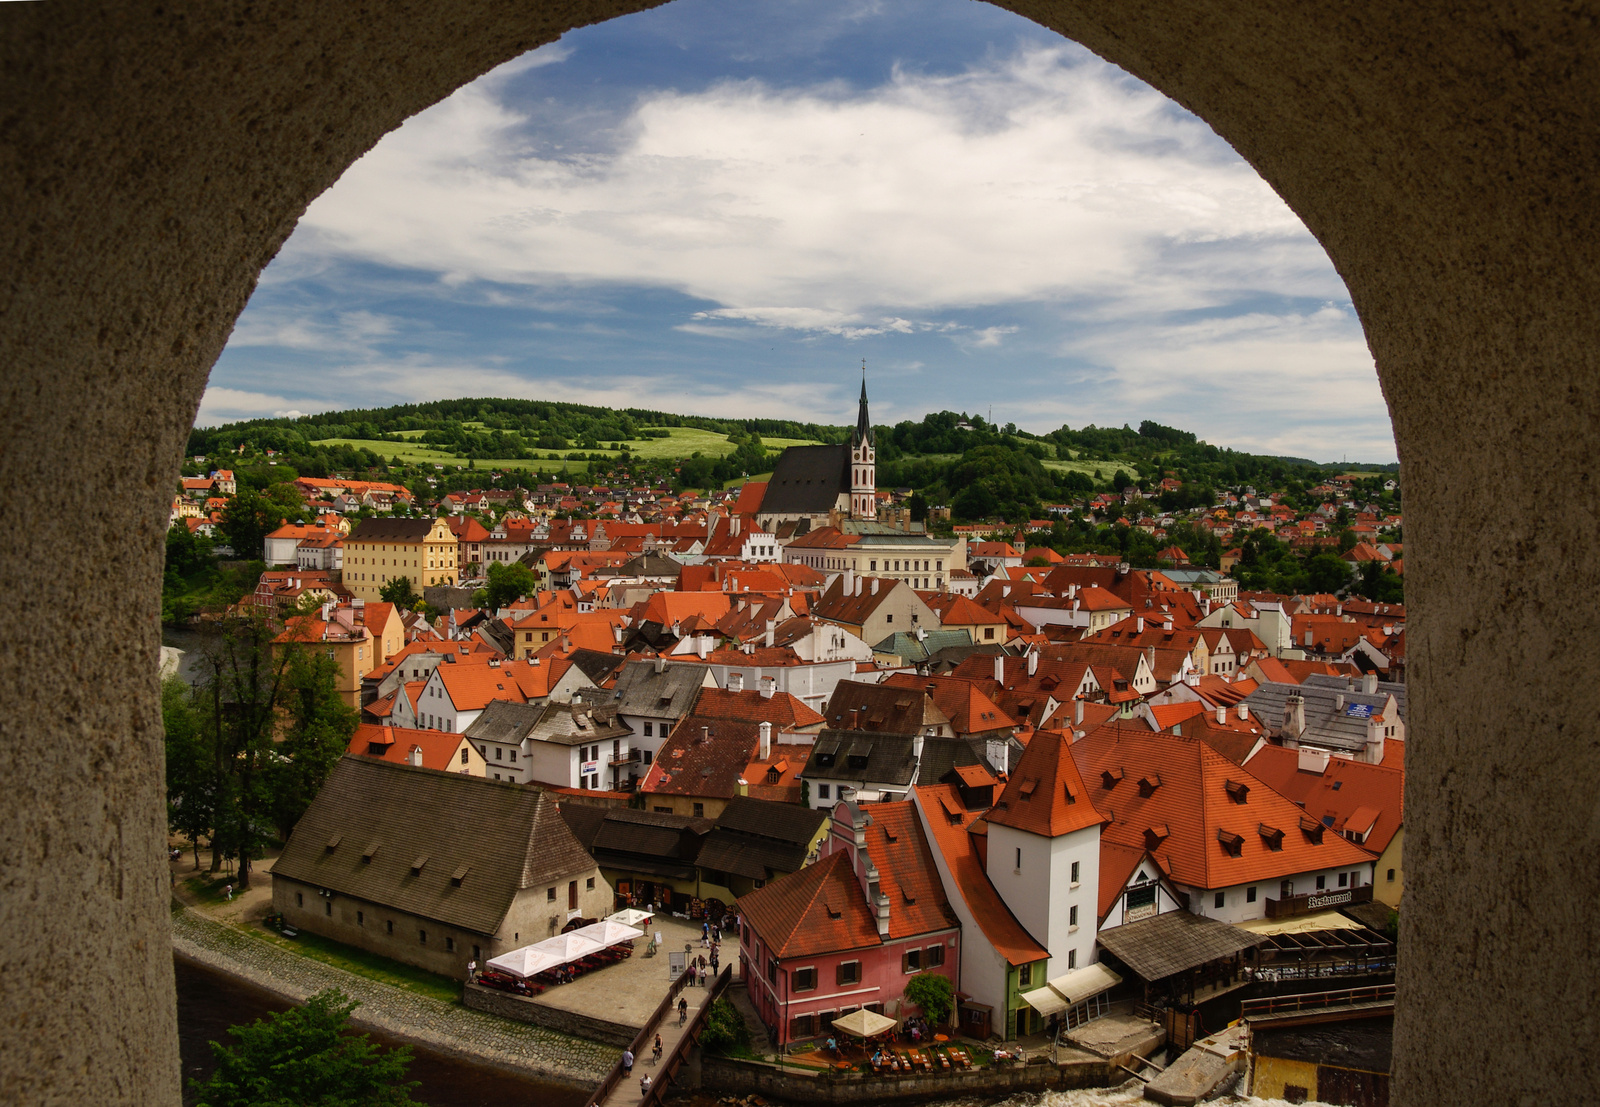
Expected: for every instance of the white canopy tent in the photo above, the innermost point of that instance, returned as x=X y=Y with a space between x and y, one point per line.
x=607 y=933
x=568 y=947
x=525 y=962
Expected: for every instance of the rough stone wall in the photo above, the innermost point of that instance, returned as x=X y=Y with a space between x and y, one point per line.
x=733 y=1076
x=519 y=1009
x=154 y=158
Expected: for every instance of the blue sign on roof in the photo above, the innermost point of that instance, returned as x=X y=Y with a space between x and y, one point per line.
x=1359 y=710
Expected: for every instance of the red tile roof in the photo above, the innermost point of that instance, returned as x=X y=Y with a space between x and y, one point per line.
x=906 y=873
x=1045 y=794
x=1176 y=788
x=392 y=743
x=784 y=711
x=818 y=910
x=1356 y=795
x=948 y=822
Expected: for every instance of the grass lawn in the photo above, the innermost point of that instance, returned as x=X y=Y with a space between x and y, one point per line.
x=1087 y=467
x=362 y=963
x=753 y=477
x=683 y=442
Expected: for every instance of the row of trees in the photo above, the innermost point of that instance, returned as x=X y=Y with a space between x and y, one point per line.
x=249 y=746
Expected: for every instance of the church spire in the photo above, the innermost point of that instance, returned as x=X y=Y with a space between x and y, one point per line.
x=863 y=423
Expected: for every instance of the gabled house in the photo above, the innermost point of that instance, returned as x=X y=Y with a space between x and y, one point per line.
x=434 y=869
x=425 y=749
x=651 y=697
x=850 y=930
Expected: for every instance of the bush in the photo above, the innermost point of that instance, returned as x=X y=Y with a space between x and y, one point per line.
x=725 y=1030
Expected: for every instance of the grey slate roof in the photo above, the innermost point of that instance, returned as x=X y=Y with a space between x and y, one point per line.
x=572 y=724
x=479 y=841
x=669 y=694
x=595 y=665
x=1351 y=684
x=808 y=480
x=916 y=650
x=861 y=755
x=1327 y=724
x=504 y=722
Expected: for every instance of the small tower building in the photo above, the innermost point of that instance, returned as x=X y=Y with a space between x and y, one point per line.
x=863 y=465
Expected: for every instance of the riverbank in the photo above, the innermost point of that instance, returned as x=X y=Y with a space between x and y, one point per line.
x=446 y=1028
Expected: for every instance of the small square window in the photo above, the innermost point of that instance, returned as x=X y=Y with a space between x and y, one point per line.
x=822 y=791
x=550 y=895
x=589 y=884
x=1322 y=882
x=805 y=980
x=1221 y=898
x=1344 y=879
x=1250 y=894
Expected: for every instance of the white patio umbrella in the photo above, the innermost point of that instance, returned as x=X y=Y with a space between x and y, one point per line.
x=631 y=916
x=608 y=933
x=863 y=1023
x=526 y=962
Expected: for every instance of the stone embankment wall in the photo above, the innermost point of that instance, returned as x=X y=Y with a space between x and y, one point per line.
x=519 y=1009
x=734 y=1076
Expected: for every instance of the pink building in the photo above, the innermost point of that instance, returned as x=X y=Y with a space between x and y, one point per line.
x=850 y=930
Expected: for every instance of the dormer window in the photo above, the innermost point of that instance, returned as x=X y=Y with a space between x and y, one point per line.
x=1154 y=836
x=1232 y=843
x=1148 y=784
x=1312 y=828
x=1025 y=791
x=1109 y=778
x=1272 y=836
x=1237 y=792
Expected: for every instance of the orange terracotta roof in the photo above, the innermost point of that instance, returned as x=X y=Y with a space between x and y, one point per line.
x=949 y=824
x=392 y=743
x=1358 y=797
x=906 y=873
x=1171 y=795
x=471 y=686
x=820 y=909
x=784 y=711
x=1045 y=794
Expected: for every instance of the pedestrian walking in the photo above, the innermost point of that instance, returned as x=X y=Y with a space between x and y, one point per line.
x=644 y=1085
x=227 y=892
x=705 y=929
x=472 y=970
x=627 y=1062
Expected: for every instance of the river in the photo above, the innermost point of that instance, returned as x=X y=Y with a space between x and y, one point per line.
x=210 y=1002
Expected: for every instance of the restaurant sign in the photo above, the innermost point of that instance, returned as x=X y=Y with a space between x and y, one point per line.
x=589 y=767
x=1328 y=899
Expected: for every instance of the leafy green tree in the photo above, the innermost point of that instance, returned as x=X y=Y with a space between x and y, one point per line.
x=191 y=765
x=316 y=731
x=401 y=593
x=306 y=1057
x=1327 y=572
x=248 y=519
x=509 y=582
x=933 y=993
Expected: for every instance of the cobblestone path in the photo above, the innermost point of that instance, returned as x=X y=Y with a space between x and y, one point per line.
x=421 y=1020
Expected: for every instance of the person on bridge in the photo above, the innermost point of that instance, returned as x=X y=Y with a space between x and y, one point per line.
x=657 y=1049
x=627 y=1062
x=683 y=1011
x=644 y=1085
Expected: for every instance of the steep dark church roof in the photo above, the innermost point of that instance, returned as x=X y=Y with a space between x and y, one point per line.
x=808 y=480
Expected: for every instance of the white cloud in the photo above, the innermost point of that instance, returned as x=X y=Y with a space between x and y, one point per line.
x=1044 y=175
x=224 y=405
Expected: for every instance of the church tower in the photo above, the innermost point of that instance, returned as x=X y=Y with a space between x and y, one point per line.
x=863 y=463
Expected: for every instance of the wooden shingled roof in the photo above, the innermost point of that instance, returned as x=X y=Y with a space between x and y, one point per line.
x=478 y=842
x=1169 y=943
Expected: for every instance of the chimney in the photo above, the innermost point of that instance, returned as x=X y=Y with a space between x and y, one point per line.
x=736 y=682
x=1077 y=711
x=849 y=583
x=1205 y=606
x=766 y=741
x=1294 y=715
x=661 y=664
x=1139 y=626
x=1000 y=669
x=1244 y=712
x=416 y=756
x=702 y=645
x=733 y=526
x=916 y=747
x=772 y=628
x=768 y=684
x=874 y=586
x=1033 y=662
x=1309 y=639
x=1150 y=658
x=1222 y=714
x=1369 y=684
x=1166 y=623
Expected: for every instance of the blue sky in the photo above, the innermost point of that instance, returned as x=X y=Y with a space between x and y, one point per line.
x=722 y=207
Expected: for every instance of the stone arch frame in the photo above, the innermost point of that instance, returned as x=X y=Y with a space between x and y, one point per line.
x=154 y=158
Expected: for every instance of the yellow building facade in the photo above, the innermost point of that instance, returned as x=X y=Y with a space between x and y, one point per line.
x=378 y=551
